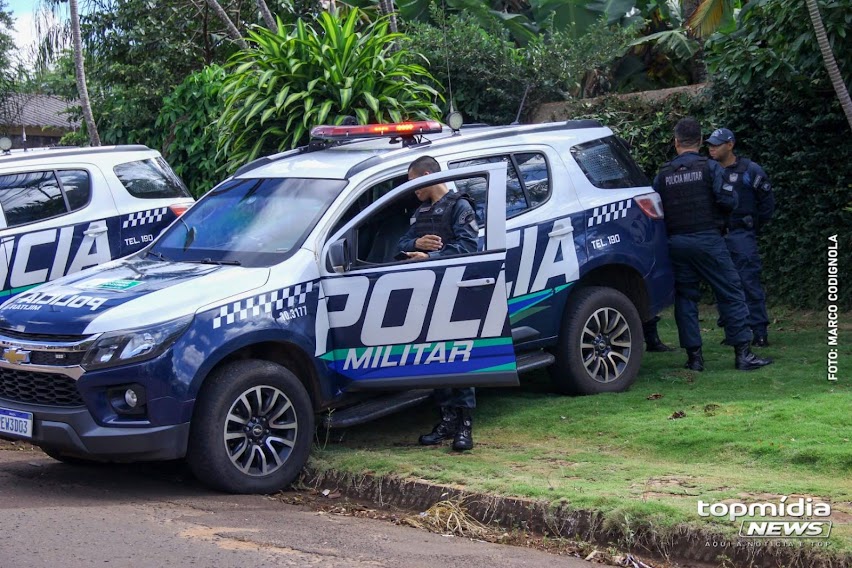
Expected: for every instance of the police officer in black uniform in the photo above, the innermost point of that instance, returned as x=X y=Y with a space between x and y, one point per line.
x=754 y=209
x=695 y=201
x=444 y=225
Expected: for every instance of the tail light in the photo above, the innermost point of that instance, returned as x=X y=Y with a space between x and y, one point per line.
x=650 y=204
x=179 y=209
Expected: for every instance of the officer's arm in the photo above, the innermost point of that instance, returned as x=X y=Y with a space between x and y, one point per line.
x=406 y=242
x=764 y=198
x=726 y=197
x=465 y=232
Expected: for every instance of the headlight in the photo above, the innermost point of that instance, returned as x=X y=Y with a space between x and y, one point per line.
x=131 y=345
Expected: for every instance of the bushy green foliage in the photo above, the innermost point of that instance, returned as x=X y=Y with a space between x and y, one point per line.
x=315 y=73
x=489 y=74
x=802 y=139
x=775 y=44
x=187 y=122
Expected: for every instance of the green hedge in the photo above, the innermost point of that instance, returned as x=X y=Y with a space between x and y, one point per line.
x=804 y=143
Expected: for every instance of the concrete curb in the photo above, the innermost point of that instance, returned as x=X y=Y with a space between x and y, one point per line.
x=685 y=544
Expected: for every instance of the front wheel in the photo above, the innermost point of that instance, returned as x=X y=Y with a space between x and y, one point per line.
x=252 y=428
x=600 y=344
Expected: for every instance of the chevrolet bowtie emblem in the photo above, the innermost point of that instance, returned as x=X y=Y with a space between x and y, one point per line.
x=16 y=356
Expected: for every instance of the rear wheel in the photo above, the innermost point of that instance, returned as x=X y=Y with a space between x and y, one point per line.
x=252 y=428
x=600 y=345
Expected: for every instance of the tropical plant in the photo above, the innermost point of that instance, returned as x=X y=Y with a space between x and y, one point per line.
x=775 y=44
x=314 y=73
x=80 y=73
x=829 y=61
x=490 y=76
x=188 y=124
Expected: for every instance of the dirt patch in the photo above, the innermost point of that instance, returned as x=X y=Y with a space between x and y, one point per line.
x=541 y=521
x=10 y=446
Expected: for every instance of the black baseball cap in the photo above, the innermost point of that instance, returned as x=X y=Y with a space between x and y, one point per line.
x=721 y=136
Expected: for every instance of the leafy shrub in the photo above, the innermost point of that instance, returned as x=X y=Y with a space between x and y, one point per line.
x=489 y=74
x=187 y=122
x=315 y=73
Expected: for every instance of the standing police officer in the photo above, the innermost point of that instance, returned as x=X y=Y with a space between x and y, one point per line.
x=444 y=225
x=755 y=207
x=695 y=201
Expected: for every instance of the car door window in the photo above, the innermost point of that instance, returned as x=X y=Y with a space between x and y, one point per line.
x=523 y=192
x=379 y=235
x=608 y=165
x=150 y=179
x=77 y=187
x=30 y=197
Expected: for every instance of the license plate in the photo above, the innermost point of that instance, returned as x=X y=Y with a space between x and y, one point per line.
x=16 y=422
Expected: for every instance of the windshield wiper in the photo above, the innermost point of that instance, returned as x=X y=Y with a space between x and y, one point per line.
x=158 y=255
x=219 y=262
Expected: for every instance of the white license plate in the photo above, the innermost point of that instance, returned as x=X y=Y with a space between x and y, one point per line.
x=16 y=422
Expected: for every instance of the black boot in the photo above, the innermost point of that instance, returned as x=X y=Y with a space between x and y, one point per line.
x=745 y=360
x=695 y=359
x=464 y=434
x=760 y=340
x=443 y=430
x=653 y=343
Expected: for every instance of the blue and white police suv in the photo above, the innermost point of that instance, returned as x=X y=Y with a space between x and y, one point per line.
x=279 y=296
x=66 y=209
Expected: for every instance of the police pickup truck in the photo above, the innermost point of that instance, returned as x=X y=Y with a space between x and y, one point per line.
x=279 y=296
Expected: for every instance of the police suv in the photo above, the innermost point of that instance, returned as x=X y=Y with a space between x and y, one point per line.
x=280 y=296
x=66 y=209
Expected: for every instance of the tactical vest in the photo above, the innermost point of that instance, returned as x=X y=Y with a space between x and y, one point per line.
x=688 y=200
x=437 y=218
x=735 y=176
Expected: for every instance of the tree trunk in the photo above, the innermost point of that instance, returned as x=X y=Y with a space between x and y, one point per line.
x=233 y=32
x=267 y=16
x=386 y=7
x=829 y=61
x=82 y=90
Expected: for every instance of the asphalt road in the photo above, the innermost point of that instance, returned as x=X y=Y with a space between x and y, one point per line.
x=154 y=515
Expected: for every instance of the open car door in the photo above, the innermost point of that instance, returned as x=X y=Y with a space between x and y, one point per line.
x=406 y=324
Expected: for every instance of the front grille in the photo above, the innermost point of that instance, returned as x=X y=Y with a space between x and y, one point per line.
x=56 y=359
x=42 y=336
x=39 y=388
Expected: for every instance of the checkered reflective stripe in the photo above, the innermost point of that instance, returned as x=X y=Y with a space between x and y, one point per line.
x=144 y=217
x=264 y=303
x=611 y=212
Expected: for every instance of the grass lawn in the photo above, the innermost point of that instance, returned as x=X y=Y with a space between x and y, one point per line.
x=781 y=430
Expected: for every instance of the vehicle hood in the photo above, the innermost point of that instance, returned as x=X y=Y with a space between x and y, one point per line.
x=128 y=293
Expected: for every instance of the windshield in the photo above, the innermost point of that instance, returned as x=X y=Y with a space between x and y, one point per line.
x=252 y=222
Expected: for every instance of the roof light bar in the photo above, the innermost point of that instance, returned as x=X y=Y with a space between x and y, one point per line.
x=329 y=132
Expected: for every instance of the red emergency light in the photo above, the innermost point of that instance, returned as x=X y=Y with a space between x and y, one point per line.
x=329 y=132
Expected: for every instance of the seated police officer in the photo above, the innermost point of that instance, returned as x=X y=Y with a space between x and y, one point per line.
x=445 y=224
x=755 y=206
x=695 y=201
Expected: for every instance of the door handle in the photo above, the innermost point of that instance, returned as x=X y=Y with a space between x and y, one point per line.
x=477 y=282
x=560 y=232
x=96 y=231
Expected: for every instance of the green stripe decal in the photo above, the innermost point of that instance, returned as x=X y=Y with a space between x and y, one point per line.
x=18 y=290
x=507 y=367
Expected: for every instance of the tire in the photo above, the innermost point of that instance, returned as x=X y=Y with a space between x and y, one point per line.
x=252 y=428
x=600 y=344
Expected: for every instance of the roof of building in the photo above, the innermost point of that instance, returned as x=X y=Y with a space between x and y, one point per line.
x=43 y=111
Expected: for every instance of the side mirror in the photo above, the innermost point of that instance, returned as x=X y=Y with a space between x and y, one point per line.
x=338 y=254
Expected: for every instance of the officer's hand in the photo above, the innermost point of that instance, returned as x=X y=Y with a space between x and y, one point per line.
x=417 y=255
x=429 y=242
